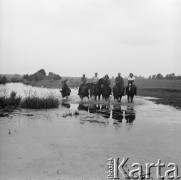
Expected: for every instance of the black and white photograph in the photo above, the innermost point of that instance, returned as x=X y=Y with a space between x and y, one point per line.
x=90 y=89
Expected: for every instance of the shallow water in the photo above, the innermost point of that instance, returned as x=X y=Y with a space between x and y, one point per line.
x=54 y=144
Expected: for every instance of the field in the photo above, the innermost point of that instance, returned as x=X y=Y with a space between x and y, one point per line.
x=168 y=91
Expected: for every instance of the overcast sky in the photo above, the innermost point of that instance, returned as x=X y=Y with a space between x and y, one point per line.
x=72 y=37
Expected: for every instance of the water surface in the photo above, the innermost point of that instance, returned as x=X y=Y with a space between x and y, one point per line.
x=53 y=144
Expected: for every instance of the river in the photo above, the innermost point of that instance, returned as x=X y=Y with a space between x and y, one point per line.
x=54 y=144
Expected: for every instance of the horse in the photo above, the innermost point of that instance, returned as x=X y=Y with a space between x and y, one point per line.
x=94 y=91
x=65 y=91
x=118 y=92
x=84 y=90
x=104 y=89
x=130 y=91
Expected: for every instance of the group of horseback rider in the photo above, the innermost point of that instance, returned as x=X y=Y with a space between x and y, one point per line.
x=101 y=84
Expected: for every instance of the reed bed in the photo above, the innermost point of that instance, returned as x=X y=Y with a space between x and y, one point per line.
x=35 y=102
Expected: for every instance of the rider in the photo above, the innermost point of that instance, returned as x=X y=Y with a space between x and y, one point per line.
x=95 y=79
x=67 y=82
x=131 y=80
x=120 y=82
x=65 y=85
x=107 y=80
x=83 y=79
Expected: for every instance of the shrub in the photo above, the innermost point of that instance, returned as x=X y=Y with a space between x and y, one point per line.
x=10 y=101
x=3 y=80
x=36 y=102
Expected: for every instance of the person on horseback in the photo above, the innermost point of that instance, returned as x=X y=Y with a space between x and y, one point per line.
x=107 y=80
x=65 y=88
x=119 y=81
x=83 y=80
x=131 y=80
x=94 y=87
x=118 y=88
x=95 y=78
x=67 y=82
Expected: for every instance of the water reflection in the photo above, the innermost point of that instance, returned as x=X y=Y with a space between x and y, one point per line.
x=93 y=108
x=83 y=107
x=65 y=104
x=105 y=110
x=117 y=113
x=130 y=114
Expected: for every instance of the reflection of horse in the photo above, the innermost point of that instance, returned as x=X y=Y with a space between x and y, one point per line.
x=131 y=91
x=84 y=107
x=117 y=113
x=93 y=108
x=118 y=92
x=65 y=91
x=105 y=111
x=104 y=89
x=65 y=104
x=130 y=114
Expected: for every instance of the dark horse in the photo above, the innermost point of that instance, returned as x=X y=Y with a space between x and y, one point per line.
x=103 y=89
x=131 y=91
x=84 y=90
x=118 y=92
x=94 y=91
x=65 y=91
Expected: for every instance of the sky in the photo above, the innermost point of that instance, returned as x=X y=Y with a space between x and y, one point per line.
x=73 y=37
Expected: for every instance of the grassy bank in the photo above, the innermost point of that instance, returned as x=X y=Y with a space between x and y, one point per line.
x=169 y=91
x=9 y=104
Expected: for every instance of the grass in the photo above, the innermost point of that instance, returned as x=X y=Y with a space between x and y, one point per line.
x=13 y=101
x=36 y=102
x=8 y=104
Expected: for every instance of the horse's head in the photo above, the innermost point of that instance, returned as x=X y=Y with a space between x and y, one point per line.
x=130 y=86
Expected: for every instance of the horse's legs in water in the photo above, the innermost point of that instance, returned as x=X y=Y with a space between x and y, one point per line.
x=120 y=98
x=128 y=98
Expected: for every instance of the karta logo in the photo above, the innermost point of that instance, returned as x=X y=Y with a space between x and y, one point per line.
x=117 y=170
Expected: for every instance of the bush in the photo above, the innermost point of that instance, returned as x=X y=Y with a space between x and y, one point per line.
x=10 y=101
x=40 y=103
x=3 y=80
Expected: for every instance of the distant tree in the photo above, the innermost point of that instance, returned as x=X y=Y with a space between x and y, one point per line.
x=42 y=71
x=57 y=77
x=3 y=80
x=149 y=77
x=53 y=76
x=26 y=77
x=170 y=76
x=154 y=77
x=159 y=76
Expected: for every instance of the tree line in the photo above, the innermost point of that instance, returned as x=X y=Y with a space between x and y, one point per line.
x=168 y=76
x=37 y=76
x=41 y=75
